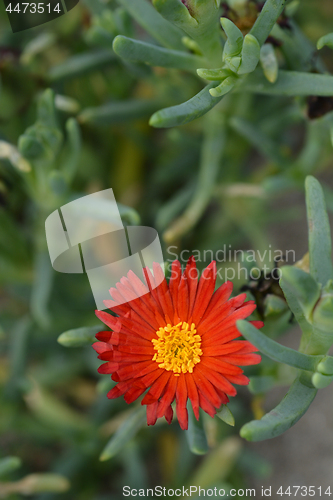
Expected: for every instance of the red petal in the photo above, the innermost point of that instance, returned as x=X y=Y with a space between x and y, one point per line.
x=219 y=350
x=109 y=367
x=100 y=347
x=133 y=393
x=176 y=274
x=241 y=313
x=219 y=365
x=136 y=325
x=130 y=371
x=193 y=394
x=205 y=291
x=181 y=400
x=151 y=284
x=220 y=336
x=105 y=355
x=219 y=298
x=115 y=307
x=169 y=414
x=247 y=347
x=152 y=413
x=119 y=389
x=206 y=405
x=110 y=321
x=163 y=291
x=156 y=389
x=168 y=396
x=123 y=357
x=183 y=299
x=219 y=382
x=144 y=293
x=223 y=396
x=257 y=324
x=243 y=359
x=206 y=387
x=221 y=313
x=137 y=349
x=238 y=379
x=191 y=274
x=149 y=378
x=138 y=306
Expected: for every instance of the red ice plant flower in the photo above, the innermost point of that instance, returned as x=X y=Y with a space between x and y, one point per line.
x=177 y=340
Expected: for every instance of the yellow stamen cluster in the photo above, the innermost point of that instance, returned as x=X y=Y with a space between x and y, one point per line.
x=178 y=348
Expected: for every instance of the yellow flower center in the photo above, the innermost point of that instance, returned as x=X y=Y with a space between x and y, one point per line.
x=178 y=348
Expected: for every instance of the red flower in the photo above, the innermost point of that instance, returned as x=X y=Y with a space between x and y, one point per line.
x=176 y=340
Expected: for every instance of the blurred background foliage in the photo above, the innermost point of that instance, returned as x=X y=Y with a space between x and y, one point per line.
x=74 y=120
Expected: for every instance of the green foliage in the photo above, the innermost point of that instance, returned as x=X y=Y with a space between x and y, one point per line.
x=313 y=306
x=203 y=132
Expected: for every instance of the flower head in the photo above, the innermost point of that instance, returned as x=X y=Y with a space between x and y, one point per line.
x=176 y=341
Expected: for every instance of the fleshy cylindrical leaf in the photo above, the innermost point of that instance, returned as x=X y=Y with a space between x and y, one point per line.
x=304 y=288
x=321 y=381
x=276 y=351
x=250 y=55
x=233 y=46
x=225 y=414
x=79 y=337
x=186 y=112
x=224 y=87
x=326 y=366
x=142 y=52
x=320 y=244
x=269 y=62
x=196 y=436
x=285 y=415
x=325 y=40
x=125 y=433
x=8 y=465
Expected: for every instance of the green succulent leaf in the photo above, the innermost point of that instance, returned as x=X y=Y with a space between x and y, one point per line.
x=176 y=13
x=276 y=351
x=325 y=40
x=268 y=16
x=8 y=465
x=145 y=15
x=195 y=435
x=234 y=43
x=186 y=112
x=295 y=307
x=285 y=415
x=198 y=19
x=303 y=287
x=321 y=381
x=269 y=62
x=129 y=428
x=142 y=52
x=250 y=55
x=118 y=112
x=289 y=83
x=81 y=64
x=79 y=337
x=214 y=74
x=259 y=140
x=224 y=87
x=325 y=367
x=225 y=414
x=74 y=145
x=323 y=314
x=320 y=245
